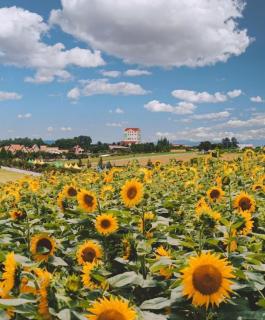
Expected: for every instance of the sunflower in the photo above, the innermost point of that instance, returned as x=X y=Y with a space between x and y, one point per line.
x=108 y=177
x=44 y=279
x=162 y=252
x=42 y=246
x=61 y=201
x=88 y=252
x=157 y=164
x=34 y=185
x=205 y=210
x=257 y=187
x=73 y=283
x=244 y=202
x=132 y=193
x=148 y=217
x=9 y=275
x=106 y=224
x=91 y=277
x=247 y=226
x=106 y=191
x=249 y=153
x=207 y=280
x=70 y=191
x=17 y=215
x=87 y=200
x=166 y=271
x=200 y=204
x=111 y=309
x=215 y=194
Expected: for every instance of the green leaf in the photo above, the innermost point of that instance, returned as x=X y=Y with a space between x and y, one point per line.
x=64 y=314
x=123 y=279
x=15 y=302
x=57 y=261
x=155 y=304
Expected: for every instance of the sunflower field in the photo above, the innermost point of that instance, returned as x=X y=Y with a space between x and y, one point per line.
x=185 y=240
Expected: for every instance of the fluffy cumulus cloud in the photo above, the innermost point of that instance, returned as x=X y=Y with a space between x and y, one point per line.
x=103 y=86
x=110 y=73
x=257 y=120
x=22 y=45
x=257 y=99
x=210 y=133
x=9 y=96
x=244 y=130
x=136 y=73
x=205 y=97
x=182 y=33
x=181 y=108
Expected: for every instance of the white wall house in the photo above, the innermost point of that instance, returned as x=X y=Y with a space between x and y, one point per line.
x=132 y=136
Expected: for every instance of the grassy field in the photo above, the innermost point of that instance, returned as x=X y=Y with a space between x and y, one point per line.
x=163 y=157
x=9 y=176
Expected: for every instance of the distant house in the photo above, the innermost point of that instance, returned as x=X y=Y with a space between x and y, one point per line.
x=78 y=150
x=131 y=136
x=34 y=148
x=13 y=148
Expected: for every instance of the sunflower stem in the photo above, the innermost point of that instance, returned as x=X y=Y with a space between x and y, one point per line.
x=28 y=234
x=232 y=221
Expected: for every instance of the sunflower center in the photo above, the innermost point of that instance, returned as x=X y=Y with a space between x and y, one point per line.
x=245 y=204
x=207 y=279
x=89 y=200
x=105 y=224
x=111 y=315
x=44 y=244
x=88 y=255
x=132 y=192
x=258 y=187
x=215 y=194
x=72 y=192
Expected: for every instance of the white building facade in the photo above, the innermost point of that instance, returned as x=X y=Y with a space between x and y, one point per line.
x=132 y=136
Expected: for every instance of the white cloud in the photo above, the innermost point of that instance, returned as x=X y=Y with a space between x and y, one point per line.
x=258 y=120
x=213 y=134
x=74 y=94
x=211 y=116
x=103 y=86
x=111 y=73
x=9 y=96
x=181 y=108
x=24 y=116
x=65 y=129
x=50 y=129
x=180 y=33
x=48 y=75
x=137 y=72
x=234 y=93
x=257 y=99
x=204 y=97
x=21 y=34
x=119 y=111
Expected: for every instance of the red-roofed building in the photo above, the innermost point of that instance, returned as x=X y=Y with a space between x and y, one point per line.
x=131 y=136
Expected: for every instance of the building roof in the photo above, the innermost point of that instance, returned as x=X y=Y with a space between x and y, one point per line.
x=133 y=129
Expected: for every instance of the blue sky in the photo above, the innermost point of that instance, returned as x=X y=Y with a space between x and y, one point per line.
x=190 y=70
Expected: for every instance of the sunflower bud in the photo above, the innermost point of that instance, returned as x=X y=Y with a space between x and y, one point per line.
x=73 y=283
